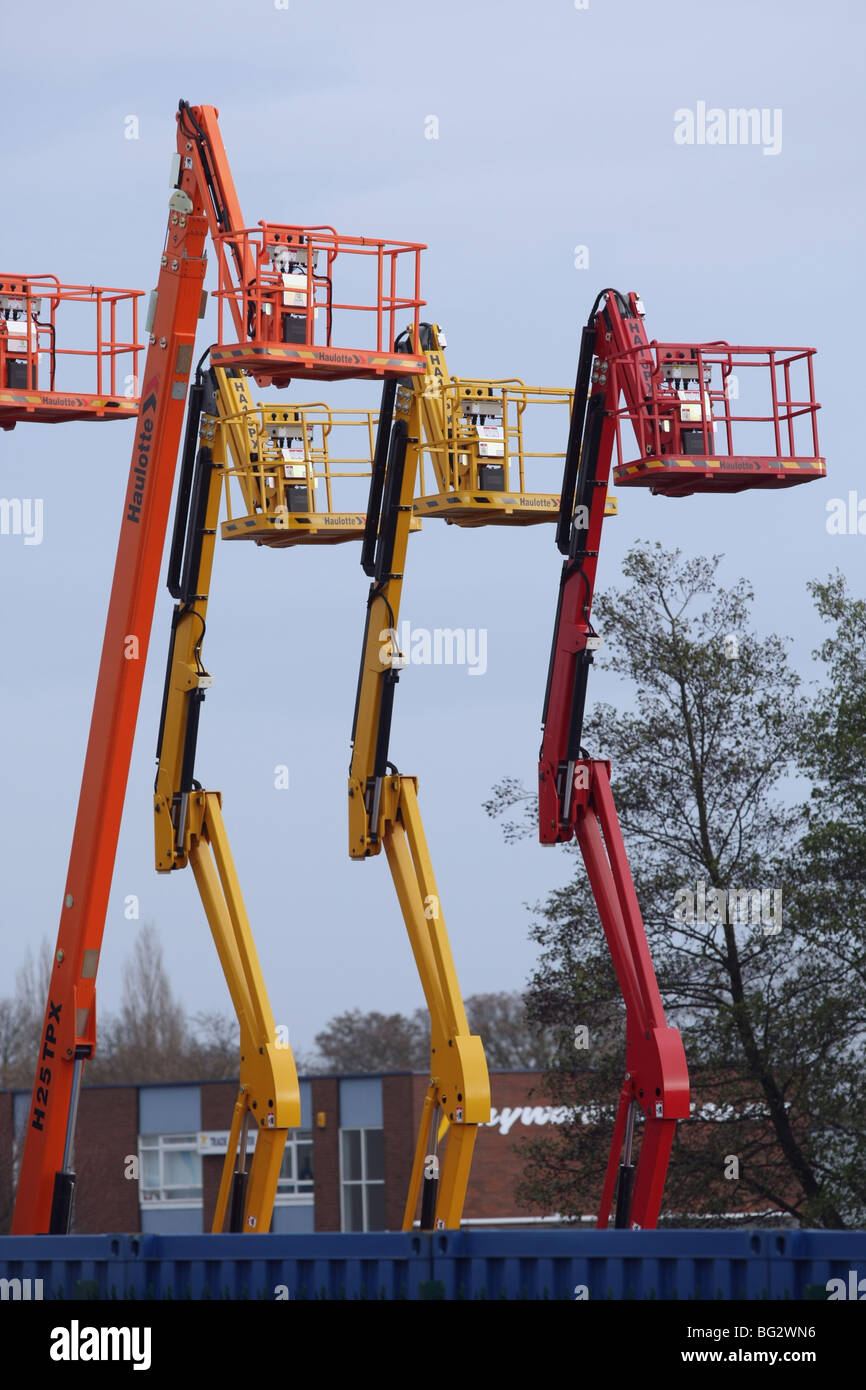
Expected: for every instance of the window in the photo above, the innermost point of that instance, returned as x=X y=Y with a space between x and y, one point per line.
x=296 y=1174
x=170 y=1169
x=362 y=1176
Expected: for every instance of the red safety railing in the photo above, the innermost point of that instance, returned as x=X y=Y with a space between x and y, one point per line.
x=289 y=318
x=47 y=327
x=728 y=414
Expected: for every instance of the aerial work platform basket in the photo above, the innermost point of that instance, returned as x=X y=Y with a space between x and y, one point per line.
x=280 y=316
x=67 y=352
x=716 y=418
x=305 y=465
x=487 y=443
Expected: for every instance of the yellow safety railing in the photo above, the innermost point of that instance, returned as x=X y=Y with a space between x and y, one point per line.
x=476 y=425
x=487 y=455
x=296 y=462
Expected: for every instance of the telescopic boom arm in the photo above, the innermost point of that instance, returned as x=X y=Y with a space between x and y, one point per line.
x=203 y=197
x=678 y=404
x=383 y=812
x=188 y=820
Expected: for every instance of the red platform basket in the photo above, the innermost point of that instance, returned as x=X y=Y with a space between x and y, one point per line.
x=67 y=352
x=279 y=314
x=717 y=418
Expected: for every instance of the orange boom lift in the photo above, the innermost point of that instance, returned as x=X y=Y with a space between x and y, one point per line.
x=39 y=318
x=277 y=311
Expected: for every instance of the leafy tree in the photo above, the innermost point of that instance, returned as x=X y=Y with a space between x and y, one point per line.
x=700 y=765
x=828 y=909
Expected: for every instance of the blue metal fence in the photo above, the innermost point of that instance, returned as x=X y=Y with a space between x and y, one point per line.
x=450 y=1264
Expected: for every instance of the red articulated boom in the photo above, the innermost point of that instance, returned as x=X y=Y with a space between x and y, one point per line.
x=274 y=331
x=678 y=399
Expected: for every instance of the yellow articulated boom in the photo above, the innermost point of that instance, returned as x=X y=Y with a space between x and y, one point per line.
x=383 y=811
x=189 y=826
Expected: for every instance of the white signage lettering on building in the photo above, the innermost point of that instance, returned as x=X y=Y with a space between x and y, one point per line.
x=504 y=1120
x=508 y=1117
x=216 y=1141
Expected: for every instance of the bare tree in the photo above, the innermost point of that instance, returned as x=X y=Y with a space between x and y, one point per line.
x=149 y=1039
x=10 y=1043
x=21 y=1017
x=356 y=1041
x=511 y=1041
x=214 y=1051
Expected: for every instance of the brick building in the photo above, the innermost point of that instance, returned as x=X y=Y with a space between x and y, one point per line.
x=149 y=1157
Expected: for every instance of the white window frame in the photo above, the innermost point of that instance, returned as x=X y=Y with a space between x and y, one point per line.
x=161 y=1196
x=363 y=1182
x=301 y=1192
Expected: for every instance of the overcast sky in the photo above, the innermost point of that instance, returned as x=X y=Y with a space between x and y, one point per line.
x=556 y=129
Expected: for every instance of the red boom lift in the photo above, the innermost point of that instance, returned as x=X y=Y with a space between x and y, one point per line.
x=278 y=326
x=679 y=401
